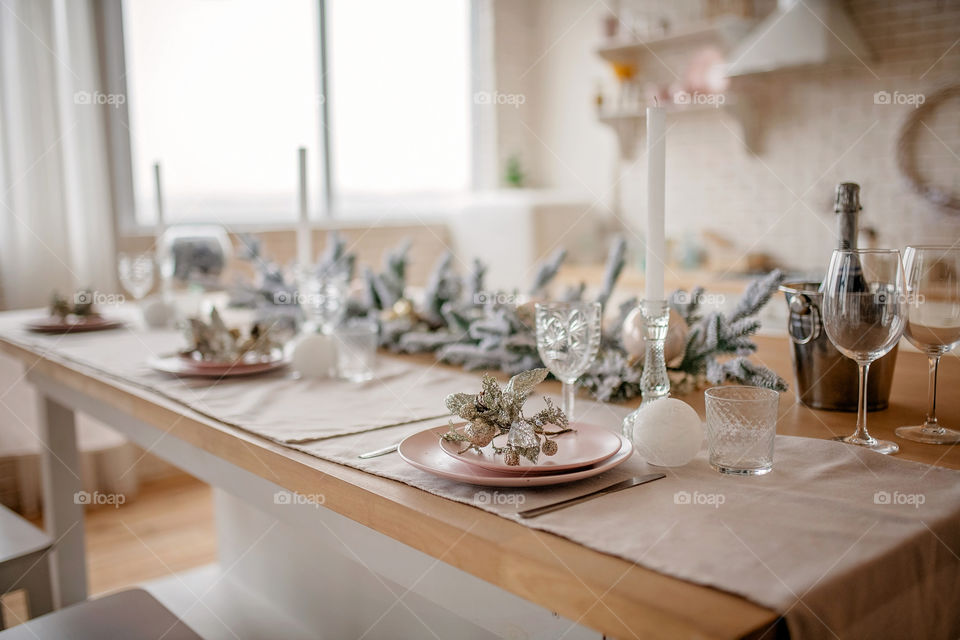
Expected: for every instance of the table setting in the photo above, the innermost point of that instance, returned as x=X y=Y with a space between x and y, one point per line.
x=79 y=315
x=364 y=373
x=711 y=502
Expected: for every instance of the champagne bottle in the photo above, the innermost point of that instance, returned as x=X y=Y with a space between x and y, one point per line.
x=848 y=208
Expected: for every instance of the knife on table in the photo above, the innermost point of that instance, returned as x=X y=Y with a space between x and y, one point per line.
x=379 y=452
x=569 y=502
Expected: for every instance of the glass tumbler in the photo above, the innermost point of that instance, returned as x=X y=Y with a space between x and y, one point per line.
x=357 y=350
x=741 y=425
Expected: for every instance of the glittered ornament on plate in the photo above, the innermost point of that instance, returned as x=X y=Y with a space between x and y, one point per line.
x=667 y=433
x=633 y=332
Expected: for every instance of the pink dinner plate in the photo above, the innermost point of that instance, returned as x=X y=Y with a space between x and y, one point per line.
x=421 y=451
x=180 y=366
x=223 y=366
x=588 y=445
x=58 y=325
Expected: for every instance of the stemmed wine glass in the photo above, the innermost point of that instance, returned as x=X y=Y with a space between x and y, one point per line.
x=568 y=337
x=136 y=271
x=864 y=314
x=933 y=325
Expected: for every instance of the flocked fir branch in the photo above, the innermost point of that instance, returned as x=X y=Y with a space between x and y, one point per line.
x=272 y=294
x=616 y=260
x=463 y=324
x=336 y=258
x=719 y=334
x=546 y=271
x=612 y=377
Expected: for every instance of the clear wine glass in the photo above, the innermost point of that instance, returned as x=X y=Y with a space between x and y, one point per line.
x=933 y=325
x=568 y=337
x=864 y=314
x=136 y=271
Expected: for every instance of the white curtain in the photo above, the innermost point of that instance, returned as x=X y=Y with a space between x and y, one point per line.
x=56 y=211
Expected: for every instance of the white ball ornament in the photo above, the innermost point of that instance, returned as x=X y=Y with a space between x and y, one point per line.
x=667 y=433
x=315 y=356
x=158 y=313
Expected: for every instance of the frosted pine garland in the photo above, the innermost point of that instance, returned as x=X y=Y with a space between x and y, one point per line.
x=464 y=324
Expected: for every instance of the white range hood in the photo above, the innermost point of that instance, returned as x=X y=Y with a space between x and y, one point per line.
x=799 y=33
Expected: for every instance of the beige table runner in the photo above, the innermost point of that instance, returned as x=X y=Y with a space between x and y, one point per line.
x=277 y=405
x=843 y=542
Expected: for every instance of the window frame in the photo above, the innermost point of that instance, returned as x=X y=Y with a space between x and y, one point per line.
x=113 y=68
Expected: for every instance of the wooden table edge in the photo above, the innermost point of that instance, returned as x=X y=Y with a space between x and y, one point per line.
x=607 y=593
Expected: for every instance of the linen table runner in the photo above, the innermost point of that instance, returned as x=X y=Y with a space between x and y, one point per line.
x=276 y=405
x=840 y=540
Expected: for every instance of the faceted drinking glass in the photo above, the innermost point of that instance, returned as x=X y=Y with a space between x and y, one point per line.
x=357 y=350
x=568 y=337
x=741 y=426
x=933 y=325
x=323 y=298
x=864 y=314
x=136 y=273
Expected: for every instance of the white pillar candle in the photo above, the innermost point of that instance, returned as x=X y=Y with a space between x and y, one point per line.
x=304 y=241
x=161 y=222
x=656 y=173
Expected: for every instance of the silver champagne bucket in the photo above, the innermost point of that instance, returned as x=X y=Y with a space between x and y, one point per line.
x=825 y=378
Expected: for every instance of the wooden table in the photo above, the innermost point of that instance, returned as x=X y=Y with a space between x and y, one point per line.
x=601 y=592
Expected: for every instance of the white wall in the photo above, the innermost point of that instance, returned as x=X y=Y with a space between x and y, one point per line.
x=817 y=127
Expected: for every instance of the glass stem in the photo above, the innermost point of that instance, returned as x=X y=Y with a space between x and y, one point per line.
x=862 y=433
x=569 y=395
x=931 y=421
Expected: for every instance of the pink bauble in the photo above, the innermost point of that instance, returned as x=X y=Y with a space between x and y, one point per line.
x=633 y=331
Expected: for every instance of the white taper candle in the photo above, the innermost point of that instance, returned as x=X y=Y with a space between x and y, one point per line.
x=158 y=185
x=304 y=241
x=656 y=174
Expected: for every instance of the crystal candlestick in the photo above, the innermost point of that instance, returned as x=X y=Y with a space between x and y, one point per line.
x=654 y=382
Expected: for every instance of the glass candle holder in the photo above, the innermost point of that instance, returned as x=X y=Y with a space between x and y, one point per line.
x=654 y=381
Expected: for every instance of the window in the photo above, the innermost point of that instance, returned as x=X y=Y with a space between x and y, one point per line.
x=222 y=93
x=399 y=97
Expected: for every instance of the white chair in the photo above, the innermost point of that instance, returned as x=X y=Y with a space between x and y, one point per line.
x=23 y=562
x=130 y=615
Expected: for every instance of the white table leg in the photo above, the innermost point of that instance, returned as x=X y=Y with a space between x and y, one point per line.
x=62 y=511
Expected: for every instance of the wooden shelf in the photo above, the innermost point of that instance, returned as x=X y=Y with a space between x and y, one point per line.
x=629 y=125
x=672 y=108
x=723 y=31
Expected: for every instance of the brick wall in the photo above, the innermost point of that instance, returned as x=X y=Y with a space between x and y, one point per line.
x=816 y=127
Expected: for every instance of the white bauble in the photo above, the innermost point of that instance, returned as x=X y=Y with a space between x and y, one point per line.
x=158 y=313
x=315 y=356
x=667 y=433
x=633 y=331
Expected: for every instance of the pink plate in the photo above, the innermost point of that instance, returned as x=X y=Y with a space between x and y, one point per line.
x=57 y=325
x=588 y=445
x=421 y=451
x=180 y=366
x=214 y=365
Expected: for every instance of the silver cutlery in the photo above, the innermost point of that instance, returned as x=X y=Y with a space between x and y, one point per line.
x=569 y=502
x=379 y=452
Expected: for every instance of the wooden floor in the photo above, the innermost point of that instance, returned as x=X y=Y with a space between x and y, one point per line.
x=166 y=529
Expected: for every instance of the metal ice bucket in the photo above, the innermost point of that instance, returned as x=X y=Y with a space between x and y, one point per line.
x=825 y=378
